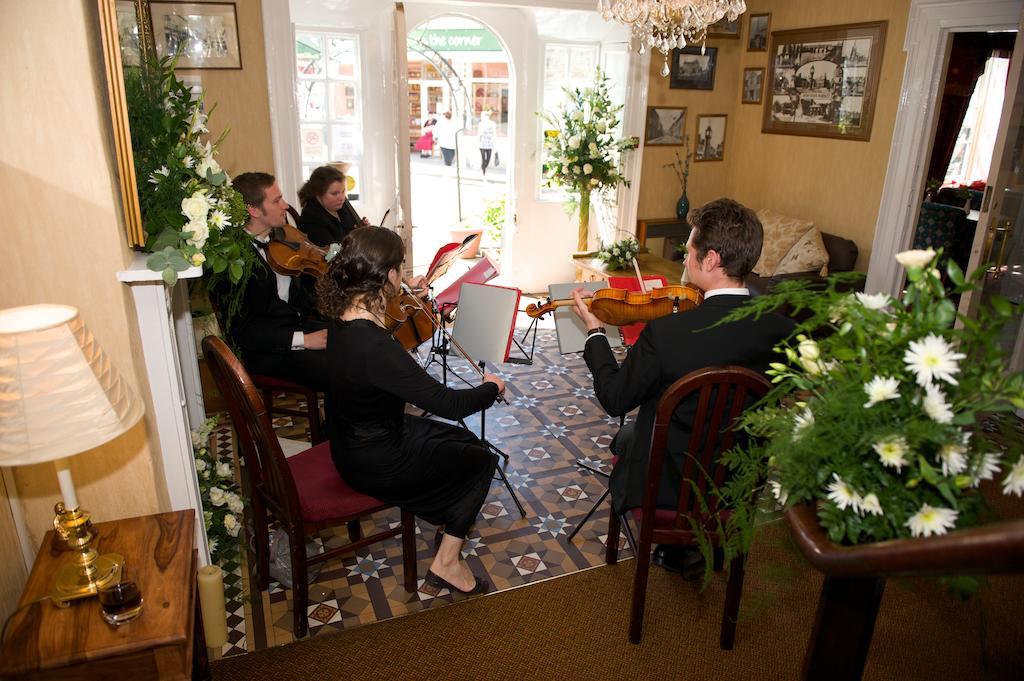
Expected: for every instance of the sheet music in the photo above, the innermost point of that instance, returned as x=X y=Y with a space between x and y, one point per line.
x=571 y=331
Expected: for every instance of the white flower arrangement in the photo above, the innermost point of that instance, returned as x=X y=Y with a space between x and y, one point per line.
x=223 y=507
x=875 y=413
x=619 y=256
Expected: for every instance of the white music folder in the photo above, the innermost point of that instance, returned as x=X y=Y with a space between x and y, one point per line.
x=570 y=329
x=486 y=321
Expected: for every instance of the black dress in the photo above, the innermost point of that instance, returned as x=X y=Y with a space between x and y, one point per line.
x=321 y=227
x=438 y=471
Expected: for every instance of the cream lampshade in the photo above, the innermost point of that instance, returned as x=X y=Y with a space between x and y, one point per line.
x=60 y=396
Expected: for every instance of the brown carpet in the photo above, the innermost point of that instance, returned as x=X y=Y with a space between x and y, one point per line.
x=575 y=627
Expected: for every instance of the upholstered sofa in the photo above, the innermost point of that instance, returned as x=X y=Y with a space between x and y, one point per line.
x=795 y=249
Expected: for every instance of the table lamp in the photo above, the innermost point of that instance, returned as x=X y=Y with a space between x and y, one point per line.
x=60 y=396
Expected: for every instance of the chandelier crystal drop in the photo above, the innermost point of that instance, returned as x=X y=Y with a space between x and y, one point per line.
x=667 y=24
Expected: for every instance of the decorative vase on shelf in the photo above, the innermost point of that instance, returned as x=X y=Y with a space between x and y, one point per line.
x=682 y=207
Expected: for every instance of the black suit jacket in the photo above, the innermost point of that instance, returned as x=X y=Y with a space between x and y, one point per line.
x=321 y=227
x=667 y=349
x=265 y=325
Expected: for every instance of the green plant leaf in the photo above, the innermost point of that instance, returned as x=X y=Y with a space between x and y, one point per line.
x=170 y=276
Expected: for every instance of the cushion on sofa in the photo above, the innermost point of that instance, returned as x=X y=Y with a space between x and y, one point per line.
x=790 y=245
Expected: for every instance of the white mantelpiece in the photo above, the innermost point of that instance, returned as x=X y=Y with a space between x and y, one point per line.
x=169 y=350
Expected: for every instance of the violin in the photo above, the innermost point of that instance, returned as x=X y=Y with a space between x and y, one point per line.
x=618 y=306
x=290 y=253
x=409 y=321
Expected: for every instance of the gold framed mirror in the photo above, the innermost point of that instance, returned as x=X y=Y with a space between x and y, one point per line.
x=125 y=36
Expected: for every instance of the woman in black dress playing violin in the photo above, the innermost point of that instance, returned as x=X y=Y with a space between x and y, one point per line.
x=438 y=471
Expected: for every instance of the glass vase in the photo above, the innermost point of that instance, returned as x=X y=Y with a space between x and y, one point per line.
x=682 y=207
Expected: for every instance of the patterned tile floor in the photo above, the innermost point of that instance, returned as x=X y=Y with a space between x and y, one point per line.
x=552 y=420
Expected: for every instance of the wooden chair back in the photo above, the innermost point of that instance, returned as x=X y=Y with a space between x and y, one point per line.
x=722 y=393
x=265 y=464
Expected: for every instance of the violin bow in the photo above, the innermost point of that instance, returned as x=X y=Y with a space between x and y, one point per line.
x=448 y=335
x=639 y=277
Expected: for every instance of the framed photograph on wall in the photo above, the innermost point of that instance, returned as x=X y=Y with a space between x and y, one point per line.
x=823 y=82
x=723 y=28
x=753 y=86
x=665 y=127
x=757 y=40
x=203 y=35
x=128 y=32
x=710 y=138
x=692 y=70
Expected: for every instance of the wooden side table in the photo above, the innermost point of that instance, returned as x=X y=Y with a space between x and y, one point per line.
x=650 y=265
x=164 y=642
x=673 y=230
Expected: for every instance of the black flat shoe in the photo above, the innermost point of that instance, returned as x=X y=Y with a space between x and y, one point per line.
x=682 y=559
x=482 y=586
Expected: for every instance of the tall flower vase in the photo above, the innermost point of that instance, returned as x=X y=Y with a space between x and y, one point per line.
x=584 y=215
x=682 y=207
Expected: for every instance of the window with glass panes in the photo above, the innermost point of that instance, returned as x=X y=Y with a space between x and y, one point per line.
x=327 y=91
x=564 y=66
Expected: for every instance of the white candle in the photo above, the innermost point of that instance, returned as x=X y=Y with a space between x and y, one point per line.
x=211 y=604
x=67 y=486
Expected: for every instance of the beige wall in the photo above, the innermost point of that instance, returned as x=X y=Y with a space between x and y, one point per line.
x=836 y=183
x=62 y=217
x=241 y=99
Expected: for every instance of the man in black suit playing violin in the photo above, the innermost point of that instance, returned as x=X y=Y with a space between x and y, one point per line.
x=723 y=247
x=274 y=329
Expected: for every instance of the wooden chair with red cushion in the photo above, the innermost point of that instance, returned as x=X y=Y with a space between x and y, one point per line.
x=303 y=492
x=630 y=332
x=722 y=393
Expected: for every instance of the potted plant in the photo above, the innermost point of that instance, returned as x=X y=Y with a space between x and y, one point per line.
x=681 y=168
x=582 y=154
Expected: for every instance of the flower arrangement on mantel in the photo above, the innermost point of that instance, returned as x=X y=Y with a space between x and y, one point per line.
x=222 y=505
x=619 y=256
x=877 y=413
x=582 y=154
x=190 y=212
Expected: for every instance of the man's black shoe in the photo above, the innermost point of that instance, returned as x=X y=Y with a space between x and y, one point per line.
x=685 y=560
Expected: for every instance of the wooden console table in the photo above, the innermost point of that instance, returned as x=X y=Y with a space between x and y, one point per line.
x=650 y=265
x=164 y=642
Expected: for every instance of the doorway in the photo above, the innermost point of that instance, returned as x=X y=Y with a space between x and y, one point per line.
x=460 y=78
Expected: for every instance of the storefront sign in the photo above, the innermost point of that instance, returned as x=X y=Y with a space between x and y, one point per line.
x=458 y=40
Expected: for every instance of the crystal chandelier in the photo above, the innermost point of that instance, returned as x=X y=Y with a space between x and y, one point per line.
x=667 y=24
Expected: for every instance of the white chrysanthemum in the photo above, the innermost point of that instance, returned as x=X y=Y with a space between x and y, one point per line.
x=952 y=458
x=870 y=504
x=212 y=544
x=801 y=422
x=1014 y=482
x=935 y=405
x=780 y=495
x=916 y=258
x=932 y=359
x=217 y=496
x=986 y=468
x=930 y=520
x=877 y=301
x=881 y=388
x=188 y=161
x=892 y=451
x=842 y=495
x=231 y=524
x=220 y=219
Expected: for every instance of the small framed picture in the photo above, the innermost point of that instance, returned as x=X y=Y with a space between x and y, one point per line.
x=753 y=86
x=723 y=28
x=202 y=35
x=710 y=138
x=692 y=70
x=665 y=126
x=760 y=24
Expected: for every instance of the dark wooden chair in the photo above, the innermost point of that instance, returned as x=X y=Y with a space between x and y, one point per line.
x=304 y=492
x=722 y=394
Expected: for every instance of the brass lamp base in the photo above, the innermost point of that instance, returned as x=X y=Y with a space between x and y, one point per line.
x=73 y=582
x=88 y=572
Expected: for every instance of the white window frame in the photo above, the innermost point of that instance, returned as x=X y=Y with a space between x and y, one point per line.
x=357 y=81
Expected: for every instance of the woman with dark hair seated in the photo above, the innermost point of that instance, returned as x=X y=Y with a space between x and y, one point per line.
x=324 y=219
x=438 y=471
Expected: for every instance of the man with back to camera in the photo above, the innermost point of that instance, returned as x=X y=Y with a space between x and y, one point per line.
x=723 y=247
x=273 y=328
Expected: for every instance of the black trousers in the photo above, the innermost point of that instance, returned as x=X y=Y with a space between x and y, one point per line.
x=485 y=159
x=461 y=515
x=448 y=155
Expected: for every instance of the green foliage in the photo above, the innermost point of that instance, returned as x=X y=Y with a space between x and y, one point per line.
x=493 y=219
x=581 y=150
x=879 y=460
x=187 y=203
